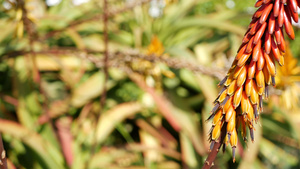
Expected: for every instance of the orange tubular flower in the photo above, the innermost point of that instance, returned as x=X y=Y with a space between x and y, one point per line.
x=253 y=70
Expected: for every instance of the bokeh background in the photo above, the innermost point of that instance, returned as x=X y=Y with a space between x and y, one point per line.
x=129 y=85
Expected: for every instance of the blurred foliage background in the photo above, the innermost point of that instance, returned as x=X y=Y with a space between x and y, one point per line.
x=63 y=106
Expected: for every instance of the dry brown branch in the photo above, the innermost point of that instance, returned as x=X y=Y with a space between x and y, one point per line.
x=213 y=154
x=117 y=59
x=105 y=60
x=31 y=54
x=171 y=62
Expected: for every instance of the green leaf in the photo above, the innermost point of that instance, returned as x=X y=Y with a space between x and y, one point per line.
x=42 y=147
x=90 y=89
x=109 y=119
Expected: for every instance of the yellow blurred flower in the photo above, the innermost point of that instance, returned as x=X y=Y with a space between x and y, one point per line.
x=286 y=80
x=155 y=47
x=153 y=71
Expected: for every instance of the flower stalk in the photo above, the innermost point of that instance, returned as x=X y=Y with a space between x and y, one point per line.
x=246 y=84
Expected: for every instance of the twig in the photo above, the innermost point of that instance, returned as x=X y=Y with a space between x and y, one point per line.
x=213 y=154
x=105 y=60
x=173 y=62
x=31 y=54
x=32 y=35
x=117 y=59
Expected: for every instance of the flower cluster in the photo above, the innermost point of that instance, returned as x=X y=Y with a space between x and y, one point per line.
x=246 y=84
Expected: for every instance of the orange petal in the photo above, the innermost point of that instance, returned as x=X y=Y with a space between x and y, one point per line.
x=267 y=75
x=270 y=64
x=258 y=3
x=248 y=87
x=244 y=103
x=243 y=59
x=260 y=61
x=250 y=113
x=252 y=23
x=276 y=8
x=246 y=38
x=216 y=131
x=227 y=105
x=278 y=33
x=282 y=45
x=267 y=42
x=229 y=80
x=242 y=76
x=232 y=87
x=217 y=117
x=259 y=33
x=233 y=138
x=275 y=50
x=229 y=113
x=254 y=28
x=237 y=71
x=222 y=96
x=250 y=45
x=232 y=68
x=288 y=25
x=237 y=97
x=260 y=10
x=280 y=17
x=265 y=13
x=231 y=123
x=292 y=4
x=241 y=52
x=254 y=94
x=260 y=80
x=261 y=90
x=281 y=60
x=251 y=69
x=256 y=51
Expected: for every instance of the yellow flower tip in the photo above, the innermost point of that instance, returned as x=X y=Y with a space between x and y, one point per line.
x=233 y=153
x=217 y=117
x=242 y=76
x=273 y=81
x=225 y=101
x=212 y=145
x=216 y=131
x=222 y=81
x=252 y=135
x=215 y=108
x=228 y=104
x=155 y=47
